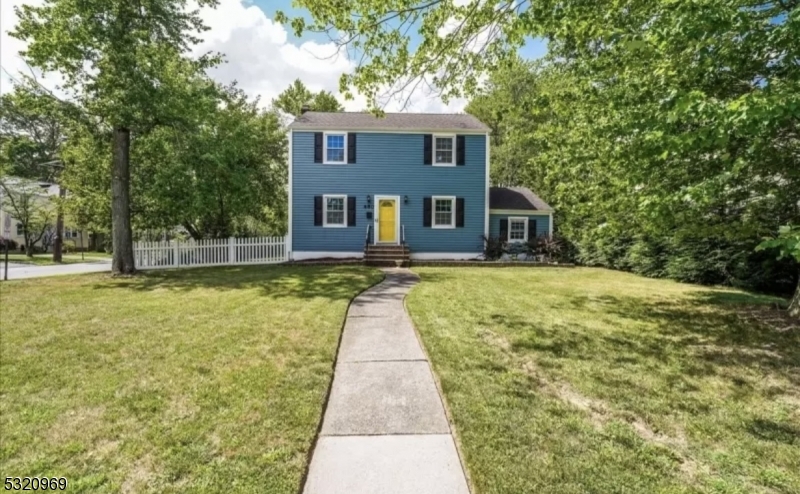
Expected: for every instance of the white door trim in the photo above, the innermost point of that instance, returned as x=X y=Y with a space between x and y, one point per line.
x=377 y=216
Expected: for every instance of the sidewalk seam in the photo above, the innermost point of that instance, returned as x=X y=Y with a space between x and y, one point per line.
x=318 y=433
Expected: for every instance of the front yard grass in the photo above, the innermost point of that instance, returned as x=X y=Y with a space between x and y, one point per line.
x=203 y=380
x=587 y=380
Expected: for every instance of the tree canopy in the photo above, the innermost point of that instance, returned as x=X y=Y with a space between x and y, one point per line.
x=297 y=95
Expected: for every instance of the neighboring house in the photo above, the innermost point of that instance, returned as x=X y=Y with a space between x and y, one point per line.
x=418 y=182
x=43 y=193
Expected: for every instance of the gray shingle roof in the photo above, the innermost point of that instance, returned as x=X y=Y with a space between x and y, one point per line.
x=314 y=120
x=516 y=198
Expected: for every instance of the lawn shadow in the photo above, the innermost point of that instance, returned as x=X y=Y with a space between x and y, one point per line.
x=712 y=333
x=276 y=281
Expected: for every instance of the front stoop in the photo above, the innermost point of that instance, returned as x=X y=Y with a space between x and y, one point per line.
x=385 y=430
x=387 y=255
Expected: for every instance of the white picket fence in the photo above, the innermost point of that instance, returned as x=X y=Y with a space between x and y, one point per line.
x=212 y=252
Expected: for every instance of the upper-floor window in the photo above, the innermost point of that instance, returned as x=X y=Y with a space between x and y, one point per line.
x=444 y=212
x=517 y=229
x=444 y=150
x=334 y=212
x=20 y=229
x=335 y=148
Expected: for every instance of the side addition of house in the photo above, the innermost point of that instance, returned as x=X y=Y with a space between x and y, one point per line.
x=414 y=182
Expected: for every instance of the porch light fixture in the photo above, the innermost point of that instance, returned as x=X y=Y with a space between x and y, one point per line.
x=405 y=199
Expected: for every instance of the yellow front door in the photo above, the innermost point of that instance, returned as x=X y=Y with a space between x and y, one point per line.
x=386 y=221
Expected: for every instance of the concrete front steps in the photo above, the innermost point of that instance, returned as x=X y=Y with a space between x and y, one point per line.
x=387 y=255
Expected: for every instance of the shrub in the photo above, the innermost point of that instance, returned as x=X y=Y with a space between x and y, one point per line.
x=648 y=256
x=493 y=248
x=514 y=249
x=550 y=247
x=12 y=244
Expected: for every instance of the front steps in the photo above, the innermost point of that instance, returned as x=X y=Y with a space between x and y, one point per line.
x=387 y=255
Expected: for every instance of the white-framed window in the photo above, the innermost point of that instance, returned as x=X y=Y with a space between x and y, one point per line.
x=444 y=150
x=517 y=229
x=334 y=148
x=334 y=211
x=20 y=230
x=443 y=209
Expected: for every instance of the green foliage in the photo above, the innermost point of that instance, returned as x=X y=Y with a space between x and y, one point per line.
x=139 y=75
x=31 y=132
x=297 y=95
x=224 y=175
x=787 y=242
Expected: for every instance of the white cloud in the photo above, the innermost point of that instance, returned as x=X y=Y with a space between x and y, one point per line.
x=259 y=55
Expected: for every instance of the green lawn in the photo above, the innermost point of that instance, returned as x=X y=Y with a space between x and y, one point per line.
x=203 y=380
x=588 y=380
x=47 y=259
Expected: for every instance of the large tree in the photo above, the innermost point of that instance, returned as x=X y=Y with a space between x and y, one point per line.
x=124 y=64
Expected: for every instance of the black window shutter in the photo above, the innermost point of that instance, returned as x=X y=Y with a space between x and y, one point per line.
x=504 y=229
x=531 y=229
x=459 y=212
x=426 y=211
x=317 y=210
x=351 y=211
x=317 y=147
x=351 y=148
x=460 y=152
x=427 y=148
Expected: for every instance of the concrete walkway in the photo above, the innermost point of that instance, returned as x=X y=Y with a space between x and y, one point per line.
x=385 y=430
x=20 y=271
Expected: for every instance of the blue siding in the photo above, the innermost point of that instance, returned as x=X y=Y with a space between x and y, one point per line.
x=542 y=223
x=388 y=164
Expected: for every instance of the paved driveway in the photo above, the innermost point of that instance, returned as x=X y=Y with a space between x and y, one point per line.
x=18 y=271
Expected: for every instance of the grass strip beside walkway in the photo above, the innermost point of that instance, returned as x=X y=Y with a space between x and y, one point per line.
x=202 y=380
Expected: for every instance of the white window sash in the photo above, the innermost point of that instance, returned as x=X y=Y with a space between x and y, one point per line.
x=325 y=160
x=452 y=201
x=325 y=223
x=452 y=139
x=516 y=219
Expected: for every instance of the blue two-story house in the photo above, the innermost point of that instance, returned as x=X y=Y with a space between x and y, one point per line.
x=416 y=181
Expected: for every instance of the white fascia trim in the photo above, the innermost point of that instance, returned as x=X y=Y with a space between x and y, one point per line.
x=486 y=198
x=289 y=234
x=452 y=138
x=522 y=212
x=452 y=224
x=373 y=130
x=524 y=221
x=325 y=198
x=303 y=255
x=448 y=256
x=325 y=147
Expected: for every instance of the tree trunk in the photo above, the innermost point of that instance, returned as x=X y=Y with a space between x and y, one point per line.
x=58 y=244
x=121 y=235
x=794 y=305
